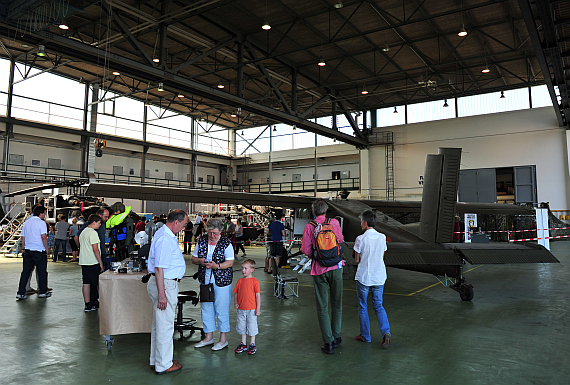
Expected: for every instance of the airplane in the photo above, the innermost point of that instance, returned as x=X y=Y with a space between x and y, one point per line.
x=423 y=247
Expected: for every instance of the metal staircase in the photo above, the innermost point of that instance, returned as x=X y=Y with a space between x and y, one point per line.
x=11 y=234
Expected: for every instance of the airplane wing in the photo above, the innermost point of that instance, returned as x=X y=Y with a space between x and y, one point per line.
x=34 y=189
x=403 y=253
x=176 y=194
x=173 y=194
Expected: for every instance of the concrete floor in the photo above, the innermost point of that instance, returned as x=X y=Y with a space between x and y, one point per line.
x=514 y=332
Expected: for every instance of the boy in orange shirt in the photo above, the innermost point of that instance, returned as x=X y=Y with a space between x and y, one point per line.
x=247 y=301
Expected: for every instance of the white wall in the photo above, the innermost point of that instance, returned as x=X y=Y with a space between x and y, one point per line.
x=516 y=138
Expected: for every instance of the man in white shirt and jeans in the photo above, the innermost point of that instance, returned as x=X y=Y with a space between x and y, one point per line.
x=369 y=251
x=166 y=266
x=34 y=243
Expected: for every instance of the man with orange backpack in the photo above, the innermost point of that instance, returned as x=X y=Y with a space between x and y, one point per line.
x=321 y=243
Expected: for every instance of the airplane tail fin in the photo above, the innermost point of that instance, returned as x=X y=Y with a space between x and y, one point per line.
x=441 y=179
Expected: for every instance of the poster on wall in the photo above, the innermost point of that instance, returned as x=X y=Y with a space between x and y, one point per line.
x=470 y=224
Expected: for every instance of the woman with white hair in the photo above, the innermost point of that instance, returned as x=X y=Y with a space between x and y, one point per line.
x=214 y=256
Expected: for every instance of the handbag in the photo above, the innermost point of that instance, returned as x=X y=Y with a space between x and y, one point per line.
x=207 y=291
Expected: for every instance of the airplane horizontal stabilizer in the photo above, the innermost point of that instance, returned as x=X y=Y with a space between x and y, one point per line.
x=497 y=253
x=419 y=254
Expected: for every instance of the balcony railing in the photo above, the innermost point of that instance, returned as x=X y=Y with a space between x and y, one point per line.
x=34 y=174
x=303 y=186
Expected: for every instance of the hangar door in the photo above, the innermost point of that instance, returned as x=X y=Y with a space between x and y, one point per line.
x=498 y=185
x=477 y=185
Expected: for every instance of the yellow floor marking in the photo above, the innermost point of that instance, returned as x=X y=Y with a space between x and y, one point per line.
x=400 y=294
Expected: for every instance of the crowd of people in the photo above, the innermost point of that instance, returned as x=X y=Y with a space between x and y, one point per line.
x=216 y=247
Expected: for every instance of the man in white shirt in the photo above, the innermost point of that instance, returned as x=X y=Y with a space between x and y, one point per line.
x=166 y=266
x=34 y=244
x=369 y=251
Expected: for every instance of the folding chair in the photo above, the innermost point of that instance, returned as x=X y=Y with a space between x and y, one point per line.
x=283 y=283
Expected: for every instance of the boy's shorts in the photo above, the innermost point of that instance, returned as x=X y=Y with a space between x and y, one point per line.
x=247 y=322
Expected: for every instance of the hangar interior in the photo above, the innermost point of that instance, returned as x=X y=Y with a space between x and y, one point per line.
x=304 y=98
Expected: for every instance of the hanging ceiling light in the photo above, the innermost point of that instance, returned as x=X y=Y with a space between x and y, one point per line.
x=486 y=70
x=462 y=32
x=321 y=62
x=364 y=91
x=181 y=96
x=63 y=26
x=445 y=104
x=266 y=26
x=233 y=114
x=294 y=127
x=221 y=85
x=274 y=128
x=242 y=133
x=160 y=87
x=156 y=59
x=395 y=110
x=339 y=5
x=502 y=95
x=116 y=73
x=41 y=51
x=386 y=47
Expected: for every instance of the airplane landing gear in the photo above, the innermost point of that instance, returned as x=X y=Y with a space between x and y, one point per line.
x=465 y=290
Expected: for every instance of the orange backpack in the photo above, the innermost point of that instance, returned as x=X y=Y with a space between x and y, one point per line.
x=327 y=251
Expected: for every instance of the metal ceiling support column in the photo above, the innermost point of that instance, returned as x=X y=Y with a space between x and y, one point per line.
x=315 y=174
x=193 y=170
x=334 y=105
x=145 y=147
x=193 y=134
x=528 y=17
x=406 y=113
x=163 y=36
x=373 y=118
x=90 y=164
x=240 y=69
x=364 y=122
x=529 y=97
x=85 y=138
x=232 y=142
x=269 y=155
x=456 y=109
x=294 y=100
x=9 y=134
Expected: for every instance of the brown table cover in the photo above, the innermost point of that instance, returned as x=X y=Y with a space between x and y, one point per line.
x=125 y=306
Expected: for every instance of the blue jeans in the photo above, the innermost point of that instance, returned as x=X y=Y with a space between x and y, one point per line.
x=218 y=310
x=63 y=243
x=377 y=291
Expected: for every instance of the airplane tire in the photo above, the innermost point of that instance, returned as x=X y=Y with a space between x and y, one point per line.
x=466 y=292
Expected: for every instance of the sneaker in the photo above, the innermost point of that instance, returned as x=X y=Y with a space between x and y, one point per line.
x=21 y=296
x=31 y=291
x=47 y=294
x=386 y=341
x=252 y=349
x=241 y=348
x=96 y=305
x=88 y=307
